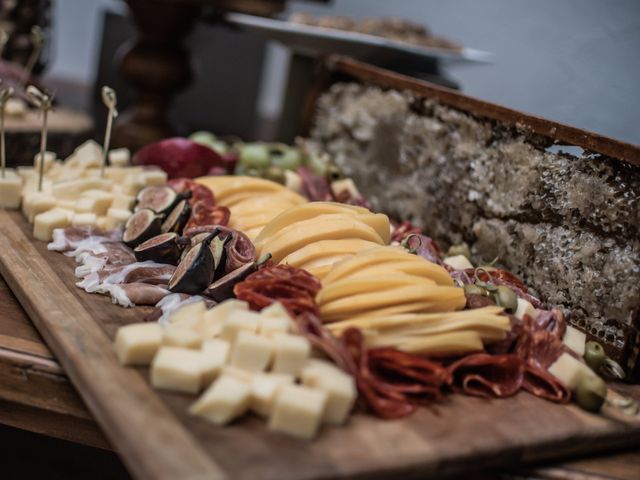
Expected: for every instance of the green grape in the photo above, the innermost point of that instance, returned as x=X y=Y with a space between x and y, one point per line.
x=254 y=155
x=287 y=158
x=317 y=164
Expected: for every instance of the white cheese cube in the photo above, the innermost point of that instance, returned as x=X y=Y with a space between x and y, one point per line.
x=291 y=353
x=87 y=205
x=298 y=411
x=314 y=368
x=341 y=392
x=244 y=375
x=239 y=320
x=25 y=172
x=89 y=154
x=10 y=190
x=226 y=399
x=137 y=343
x=44 y=224
x=66 y=211
x=102 y=199
x=103 y=223
x=34 y=203
x=525 y=308
x=119 y=157
x=458 y=262
x=293 y=181
x=155 y=177
x=190 y=315
x=569 y=370
x=215 y=353
x=84 y=220
x=97 y=183
x=15 y=107
x=214 y=318
x=275 y=310
x=346 y=184
x=270 y=326
x=66 y=204
x=264 y=390
x=69 y=189
x=123 y=202
x=177 y=335
x=133 y=183
x=49 y=159
x=177 y=369
x=251 y=352
x=575 y=340
x=116 y=217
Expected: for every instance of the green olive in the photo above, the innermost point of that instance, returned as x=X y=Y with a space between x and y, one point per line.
x=253 y=172
x=591 y=392
x=254 y=155
x=334 y=172
x=459 y=249
x=317 y=163
x=472 y=289
x=594 y=355
x=506 y=298
x=275 y=174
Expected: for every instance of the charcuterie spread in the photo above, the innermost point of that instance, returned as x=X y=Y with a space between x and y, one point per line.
x=278 y=291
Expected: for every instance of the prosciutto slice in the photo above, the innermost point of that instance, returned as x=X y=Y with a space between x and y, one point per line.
x=140 y=272
x=132 y=294
x=65 y=239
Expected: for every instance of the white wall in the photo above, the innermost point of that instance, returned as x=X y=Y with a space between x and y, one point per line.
x=575 y=61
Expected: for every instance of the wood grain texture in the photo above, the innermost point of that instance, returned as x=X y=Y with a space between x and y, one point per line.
x=461 y=436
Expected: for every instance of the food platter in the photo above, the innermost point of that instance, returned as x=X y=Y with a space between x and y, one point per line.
x=143 y=394
x=320 y=40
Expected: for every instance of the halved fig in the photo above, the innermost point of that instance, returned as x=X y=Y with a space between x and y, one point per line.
x=141 y=226
x=178 y=218
x=222 y=289
x=195 y=271
x=163 y=248
x=158 y=198
x=219 y=253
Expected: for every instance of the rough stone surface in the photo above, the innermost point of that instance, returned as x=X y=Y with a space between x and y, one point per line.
x=568 y=225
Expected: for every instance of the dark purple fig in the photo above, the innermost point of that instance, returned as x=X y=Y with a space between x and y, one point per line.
x=140 y=227
x=222 y=289
x=163 y=248
x=178 y=218
x=158 y=198
x=219 y=252
x=195 y=272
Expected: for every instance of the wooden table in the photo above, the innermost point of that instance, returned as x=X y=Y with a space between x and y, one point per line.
x=35 y=395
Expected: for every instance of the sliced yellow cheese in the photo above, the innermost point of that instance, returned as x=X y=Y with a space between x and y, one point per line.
x=445 y=344
x=353 y=286
x=379 y=222
x=224 y=185
x=233 y=199
x=325 y=248
x=322 y=227
x=320 y=272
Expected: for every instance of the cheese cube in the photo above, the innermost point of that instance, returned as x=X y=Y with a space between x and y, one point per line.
x=123 y=202
x=66 y=211
x=458 y=262
x=214 y=356
x=103 y=223
x=137 y=343
x=89 y=154
x=189 y=315
x=345 y=184
x=575 y=340
x=44 y=224
x=293 y=181
x=298 y=411
x=239 y=320
x=116 y=217
x=34 y=203
x=251 y=352
x=275 y=310
x=87 y=205
x=291 y=353
x=341 y=391
x=25 y=172
x=119 y=157
x=133 y=183
x=66 y=204
x=155 y=177
x=15 y=107
x=264 y=389
x=84 y=219
x=69 y=189
x=10 y=190
x=314 y=368
x=177 y=335
x=97 y=183
x=49 y=159
x=270 y=326
x=102 y=199
x=569 y=370
x=226 y=399
x=215 y=317
x=178 y=369
x=244 y=375
x=525 y=308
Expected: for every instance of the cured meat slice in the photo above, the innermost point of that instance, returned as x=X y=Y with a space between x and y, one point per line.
x=132 y=294
x=139 y=272
x=542 y=384
x=484 y=375
x=66 y=239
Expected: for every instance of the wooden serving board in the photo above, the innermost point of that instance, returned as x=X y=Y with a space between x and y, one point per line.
x=158 y=439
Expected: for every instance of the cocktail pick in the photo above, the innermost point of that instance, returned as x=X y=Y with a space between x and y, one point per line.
x=110 y=101
x=5 y=93
x=4 y=39
x=43 y=101
x=37 y=40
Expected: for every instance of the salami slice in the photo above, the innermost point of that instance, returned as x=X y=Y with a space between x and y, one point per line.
x=484 y=375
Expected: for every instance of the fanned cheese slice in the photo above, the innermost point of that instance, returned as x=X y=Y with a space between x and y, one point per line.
x=363 y=284
x=325 y=248
x=445 y=344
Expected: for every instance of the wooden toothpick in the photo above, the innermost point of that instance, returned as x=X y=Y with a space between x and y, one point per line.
x=5 y=93
x=110 y=101
x=37 y=39
x=43 y=101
